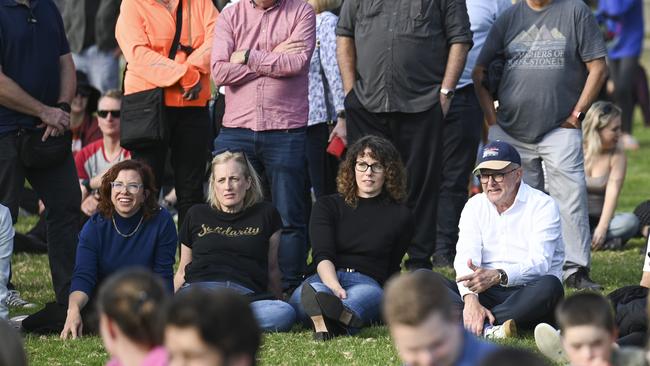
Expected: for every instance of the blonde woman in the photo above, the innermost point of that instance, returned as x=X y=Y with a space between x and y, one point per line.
x=605 y=165
x=233 y=242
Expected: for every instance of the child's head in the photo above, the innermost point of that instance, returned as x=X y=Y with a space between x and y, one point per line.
x=131 y=305
x=588 y=329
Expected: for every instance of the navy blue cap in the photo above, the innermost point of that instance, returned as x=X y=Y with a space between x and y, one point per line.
x=497 y=155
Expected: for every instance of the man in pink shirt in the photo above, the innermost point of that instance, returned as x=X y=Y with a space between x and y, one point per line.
x=261 y=54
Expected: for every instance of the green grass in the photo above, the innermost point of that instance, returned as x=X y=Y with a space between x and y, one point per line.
x=372 y=346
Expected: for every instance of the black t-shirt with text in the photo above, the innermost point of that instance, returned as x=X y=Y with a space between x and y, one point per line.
x=230 y=247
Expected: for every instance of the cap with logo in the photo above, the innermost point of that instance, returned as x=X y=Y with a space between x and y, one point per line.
x=497 y=155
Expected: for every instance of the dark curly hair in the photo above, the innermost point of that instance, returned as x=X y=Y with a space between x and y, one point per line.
x=150 y=206
x=384 y=152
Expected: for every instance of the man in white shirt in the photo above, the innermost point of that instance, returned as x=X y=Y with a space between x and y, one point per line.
x=510 y=250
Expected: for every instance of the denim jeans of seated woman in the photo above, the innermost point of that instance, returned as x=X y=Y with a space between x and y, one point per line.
x=363 y=296
x=271 y=315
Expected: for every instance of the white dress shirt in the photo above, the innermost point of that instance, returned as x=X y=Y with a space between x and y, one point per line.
x=525 y=240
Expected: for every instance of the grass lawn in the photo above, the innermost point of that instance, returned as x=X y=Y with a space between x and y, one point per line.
x=370 y=347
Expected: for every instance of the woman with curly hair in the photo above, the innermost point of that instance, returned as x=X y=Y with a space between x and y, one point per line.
x=359 y=237
x=605 y=166
x=129 y=229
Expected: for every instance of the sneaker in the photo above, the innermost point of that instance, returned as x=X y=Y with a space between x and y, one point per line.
x=17 y=322
x=15 y=301
x=580 y=280
x=506 y=330
x=549 y=343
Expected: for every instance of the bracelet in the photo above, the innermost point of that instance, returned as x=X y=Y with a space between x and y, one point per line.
x=246 y=54
x=64 y=106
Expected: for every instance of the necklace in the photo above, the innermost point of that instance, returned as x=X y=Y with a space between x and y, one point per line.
x=129 y=234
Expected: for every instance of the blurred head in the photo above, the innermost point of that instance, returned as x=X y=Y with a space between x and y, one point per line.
x=324 y=5
x=588 y=330
x=85 y=99
x=601 y=129
x=513 y=357
x=130 y=305
x=234 y=185
x=108 y=113
x=372 y=166
x=423 y=328
x=12 y=350
x=126 y=187
x=500 y=173
x=211 y=328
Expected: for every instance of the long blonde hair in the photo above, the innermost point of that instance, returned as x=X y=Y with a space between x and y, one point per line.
x=598 y=117
x=324 y=5
x=253 y=194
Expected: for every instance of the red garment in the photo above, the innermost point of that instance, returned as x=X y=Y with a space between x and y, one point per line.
x=85 y=134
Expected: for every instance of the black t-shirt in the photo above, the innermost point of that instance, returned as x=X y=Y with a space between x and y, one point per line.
x=230 y=247
x=371 y=238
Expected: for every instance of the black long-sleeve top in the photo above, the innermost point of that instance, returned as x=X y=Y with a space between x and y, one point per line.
x=371 y=238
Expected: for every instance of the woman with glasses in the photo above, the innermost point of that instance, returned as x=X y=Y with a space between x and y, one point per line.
x=359 y=237
x=130 y=229
x=605 y=166
x=232 y=242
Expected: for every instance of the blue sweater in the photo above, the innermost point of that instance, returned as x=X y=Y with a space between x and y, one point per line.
x=474 y=350
x=625 y=19
x=102 y=251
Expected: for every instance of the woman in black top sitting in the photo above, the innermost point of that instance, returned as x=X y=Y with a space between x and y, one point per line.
x=233 y=242
x=358 y=238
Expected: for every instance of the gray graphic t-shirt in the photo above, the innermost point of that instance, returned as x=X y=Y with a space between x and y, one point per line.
x=545 y=72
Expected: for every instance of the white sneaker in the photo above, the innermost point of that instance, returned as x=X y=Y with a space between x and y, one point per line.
x=15 y=301
x=506 y=330
x=17 y=321
x=549 y=343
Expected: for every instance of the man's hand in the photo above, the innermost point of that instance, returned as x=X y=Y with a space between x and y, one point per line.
x=55 y=121
x=73 y=326
x=571 y=122
x=474 y=315
x=238 y=57
x=445 y=104
x=481 y=280
x=339 y=130
x=193 y=92
x=290 y=47
x=89 y=205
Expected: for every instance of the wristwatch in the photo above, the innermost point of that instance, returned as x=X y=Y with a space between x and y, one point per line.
x=64 y=107
x=578 y=115
x=503 y=277
x=449 y=93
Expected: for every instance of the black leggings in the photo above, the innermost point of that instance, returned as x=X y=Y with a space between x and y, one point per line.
x=624 y=73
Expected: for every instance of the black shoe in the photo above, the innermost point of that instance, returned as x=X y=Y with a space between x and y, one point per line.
x=581 y=281
x=329 y=316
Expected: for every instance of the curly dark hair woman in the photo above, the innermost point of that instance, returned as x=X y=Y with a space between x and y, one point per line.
x=359 y=237
x=150 y=205
x=386 y=154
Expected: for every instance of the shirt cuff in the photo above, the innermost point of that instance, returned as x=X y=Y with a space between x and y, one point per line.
x=344 y=32
x=463 y=291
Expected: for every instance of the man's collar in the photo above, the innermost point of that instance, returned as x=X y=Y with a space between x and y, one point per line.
x=275 y=4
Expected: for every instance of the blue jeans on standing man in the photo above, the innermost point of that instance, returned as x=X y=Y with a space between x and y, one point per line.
x=279 y=156
x=363 y=296
x=271 y=315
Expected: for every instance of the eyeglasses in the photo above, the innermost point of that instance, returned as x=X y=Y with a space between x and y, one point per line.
x=132 y=188
x=362 y=166
x=104 y=114
x=496 y=177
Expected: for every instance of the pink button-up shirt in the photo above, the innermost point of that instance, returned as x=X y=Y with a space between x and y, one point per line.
x=270 y=91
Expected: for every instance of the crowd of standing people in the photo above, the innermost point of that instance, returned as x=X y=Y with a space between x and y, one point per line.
x=346 y=132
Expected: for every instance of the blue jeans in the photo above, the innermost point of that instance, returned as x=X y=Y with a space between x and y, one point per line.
x=6 y=248
x=279 y=156
x=271 y=315
x=364 y=296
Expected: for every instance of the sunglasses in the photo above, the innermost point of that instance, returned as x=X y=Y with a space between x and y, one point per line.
x=104 y=114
